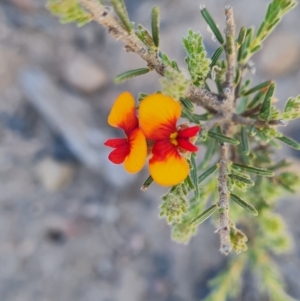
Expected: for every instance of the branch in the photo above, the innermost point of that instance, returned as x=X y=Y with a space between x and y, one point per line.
x=104 y=15
x=201 y=97
x=228 y=108
x=223 y=205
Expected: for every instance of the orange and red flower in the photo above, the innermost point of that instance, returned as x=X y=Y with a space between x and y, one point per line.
x=132 y=150
x=158 y=115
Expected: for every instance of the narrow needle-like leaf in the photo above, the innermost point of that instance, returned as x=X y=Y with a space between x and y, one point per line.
x=265 y=110
x=223 y=138
x=253 y=170
x=130 y=74
x=121 y=11
x=207 y=173
x=147 y=183
x=204 y=215
x=290 y=142
x=211 y=23
x=193 y=174
x=243 y=204
x=155 y=25
x=245 y=143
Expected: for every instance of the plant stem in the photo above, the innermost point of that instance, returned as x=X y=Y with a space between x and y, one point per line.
x=228 y=108
x=104 y=15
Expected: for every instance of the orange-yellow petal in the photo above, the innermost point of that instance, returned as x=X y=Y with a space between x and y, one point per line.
x=158 y=115
x=170 y=171
x=136 y=159
x=123 y=113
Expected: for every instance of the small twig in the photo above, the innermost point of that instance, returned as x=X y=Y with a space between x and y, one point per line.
x=104 y=15
x=204 y=98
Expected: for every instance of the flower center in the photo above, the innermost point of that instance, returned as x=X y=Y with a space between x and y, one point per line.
x=173 y=138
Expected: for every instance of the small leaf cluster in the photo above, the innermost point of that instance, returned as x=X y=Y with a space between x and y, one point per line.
x=69 y=11
x=197 y=61
x=253 y=42
x=292 y=108
x=174 y=205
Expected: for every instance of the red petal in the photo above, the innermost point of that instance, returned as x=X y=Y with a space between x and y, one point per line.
x=187 y=145
x=118 y=155
x=162 y=148
x=116 y=142
x=189 y=132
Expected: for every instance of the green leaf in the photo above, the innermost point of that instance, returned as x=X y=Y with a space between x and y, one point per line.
x=216 y=56
x=190 y=116
x=244 y=49
x=256 y=99
x=243 y=204
x=144 y=35
x=249 y=36
x=211 y=23
x=207 y=173
x=204 y=215
x=188 y=182
x=155 y=25
x=276 y=10
x=147 y=183
x=241 y=37
x=265 y=110
x=253 y=170
x=121 y=11
x=253 y=131
x=193 y=174
x=203 y=117
x=290 y=142
x=187 y=104
x=281 y=164
x=130 y=74
x=69 y=11
x=257 y=88
x=241 y=179
x=223 y=138
x=292 y=108
x=210 y=150
x=245 y=144
x=142 y=96
x=230 y=44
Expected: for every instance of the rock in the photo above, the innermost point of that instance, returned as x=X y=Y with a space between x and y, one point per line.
x=280 y=54
x=81 y=72
x=54 y=175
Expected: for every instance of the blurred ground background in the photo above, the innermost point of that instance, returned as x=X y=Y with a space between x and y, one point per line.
x=72 y=225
